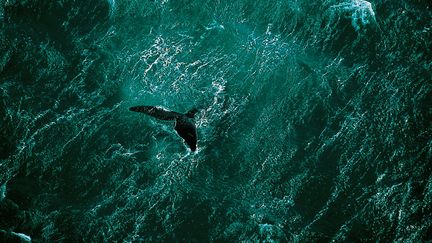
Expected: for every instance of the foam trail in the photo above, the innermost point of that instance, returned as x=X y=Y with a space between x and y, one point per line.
x=360 y=11
x=22 y=236
x=2 y=191
x=112 y=7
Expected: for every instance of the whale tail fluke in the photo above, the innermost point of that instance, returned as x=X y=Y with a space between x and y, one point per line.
x=157 y=112
x=184 y=125
x=187 y=130
x=191 y=113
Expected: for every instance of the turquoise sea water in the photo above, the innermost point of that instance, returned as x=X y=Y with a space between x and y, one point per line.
x=314 y=121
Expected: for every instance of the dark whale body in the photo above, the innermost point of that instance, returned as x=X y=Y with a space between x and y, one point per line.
x=184 y=124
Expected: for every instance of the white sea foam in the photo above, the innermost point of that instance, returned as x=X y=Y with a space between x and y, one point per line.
x=22 y=236
x=112 y=7
x=360 y=12
x=2 y=191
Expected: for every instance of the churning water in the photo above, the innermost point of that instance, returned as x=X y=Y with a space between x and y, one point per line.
x=314 y=122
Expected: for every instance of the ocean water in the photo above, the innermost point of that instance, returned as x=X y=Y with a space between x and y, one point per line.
x=314 y=122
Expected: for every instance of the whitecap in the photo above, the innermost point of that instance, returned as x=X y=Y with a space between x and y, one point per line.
x=2 y=191
x=360 y=11
x=22 y=236
x=112 y=7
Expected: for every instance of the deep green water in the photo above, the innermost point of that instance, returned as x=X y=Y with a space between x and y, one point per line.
x=314 y=122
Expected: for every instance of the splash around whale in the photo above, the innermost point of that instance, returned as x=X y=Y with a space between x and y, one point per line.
x=184 y=123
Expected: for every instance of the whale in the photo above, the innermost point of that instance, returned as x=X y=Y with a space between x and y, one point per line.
x=184 y=123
